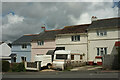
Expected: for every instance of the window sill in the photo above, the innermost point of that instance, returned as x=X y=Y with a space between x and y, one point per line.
x=98 y=57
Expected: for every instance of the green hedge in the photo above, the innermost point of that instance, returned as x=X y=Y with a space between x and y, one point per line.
x=17 y=67
x=5 y=66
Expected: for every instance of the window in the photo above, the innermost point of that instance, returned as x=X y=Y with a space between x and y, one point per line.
x=101 y=51
x=60 y=48
x=101 y=33
x=24 y=46
x=81 y=56
x=14 y=59
x=23 y=59
x=72 y=57
x=61 y=56
x=75 y=38
x=40 y=42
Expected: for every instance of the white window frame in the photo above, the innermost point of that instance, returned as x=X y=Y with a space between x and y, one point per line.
x=25 y=58
x=24 y=46
x=101 y=33
x=75 y=38
x=40 y=43
x=101 y=49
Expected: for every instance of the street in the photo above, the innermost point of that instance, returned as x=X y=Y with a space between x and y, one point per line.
x=62 y=74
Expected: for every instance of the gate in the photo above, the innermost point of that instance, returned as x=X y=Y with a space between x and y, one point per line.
x=33 y=65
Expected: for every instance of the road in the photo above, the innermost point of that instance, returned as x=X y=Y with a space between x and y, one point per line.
x=62 y=74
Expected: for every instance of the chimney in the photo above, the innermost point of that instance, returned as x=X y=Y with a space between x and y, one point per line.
x=94 y=18
x=43 y=28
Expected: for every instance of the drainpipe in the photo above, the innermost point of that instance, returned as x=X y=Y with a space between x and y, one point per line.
x=87 y=46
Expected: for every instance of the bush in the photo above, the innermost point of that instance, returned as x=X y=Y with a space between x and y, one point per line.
x=5 y=66
x=18 y=67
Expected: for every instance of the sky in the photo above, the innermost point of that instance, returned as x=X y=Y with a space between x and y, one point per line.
x=19 y=18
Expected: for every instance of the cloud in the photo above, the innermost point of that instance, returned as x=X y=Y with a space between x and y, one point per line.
x=29 y=17
x=13 y=19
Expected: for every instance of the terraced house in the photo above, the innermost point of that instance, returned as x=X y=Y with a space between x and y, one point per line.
x=21 y=48
x=44 y=43
x=74 y=39
x=103 y=34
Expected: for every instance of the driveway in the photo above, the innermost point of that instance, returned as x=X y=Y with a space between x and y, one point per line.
x=86 y=68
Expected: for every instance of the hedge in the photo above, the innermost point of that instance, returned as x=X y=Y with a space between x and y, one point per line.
x=17 y=67
x=5 y=66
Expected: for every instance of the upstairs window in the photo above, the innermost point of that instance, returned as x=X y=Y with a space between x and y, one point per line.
x=75 y=38
x=101 y=33
x=40 y=43
x=24 y=46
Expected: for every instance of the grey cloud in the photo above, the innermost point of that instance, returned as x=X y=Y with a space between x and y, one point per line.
x=55 y=14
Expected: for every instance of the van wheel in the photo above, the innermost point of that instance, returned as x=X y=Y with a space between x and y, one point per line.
x=49 y=66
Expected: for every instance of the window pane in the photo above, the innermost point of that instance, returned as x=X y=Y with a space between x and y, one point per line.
x=61 y=56
x=98 y=51
x=81 y=57
x=105 y=50
x=98 y=33
x=72 y=57
x=105 y=32
x=78 y=37
x=72 y=38
x=101 y=51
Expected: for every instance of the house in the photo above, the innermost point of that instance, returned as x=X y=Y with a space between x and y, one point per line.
x=102 y=37
x=74 y=38
x=44 y=43
x=21 y=48
x=5 y=51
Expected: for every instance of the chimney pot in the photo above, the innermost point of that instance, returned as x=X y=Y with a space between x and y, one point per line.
x=94 y=18
x=43 y=28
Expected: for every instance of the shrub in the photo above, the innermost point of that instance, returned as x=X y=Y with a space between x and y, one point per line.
x=18 y=67
x=5 y=66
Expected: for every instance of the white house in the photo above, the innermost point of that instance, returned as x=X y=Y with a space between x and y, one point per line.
x=74 y=39
x=5 y=51
x=102 y=36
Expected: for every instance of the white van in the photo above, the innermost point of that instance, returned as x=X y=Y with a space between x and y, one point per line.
x=63 y=59
x=46 y=60
x=60 y=58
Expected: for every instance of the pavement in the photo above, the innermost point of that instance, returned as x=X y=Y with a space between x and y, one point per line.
x=77 y=72
x=86 y=68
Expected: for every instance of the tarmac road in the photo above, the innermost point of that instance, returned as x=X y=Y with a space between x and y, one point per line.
x=62 y=74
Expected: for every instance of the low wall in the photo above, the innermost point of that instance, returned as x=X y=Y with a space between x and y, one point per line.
x=111 y=62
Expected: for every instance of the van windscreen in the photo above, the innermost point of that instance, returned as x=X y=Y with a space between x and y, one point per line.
x=61 y=56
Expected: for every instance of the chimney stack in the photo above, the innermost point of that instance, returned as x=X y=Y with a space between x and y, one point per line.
x=94 y=18
x=43 y=27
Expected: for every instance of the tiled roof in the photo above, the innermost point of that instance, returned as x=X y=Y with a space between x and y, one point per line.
x=25 y=39
x=105 y=23
x=74 y=29
x=47 y=35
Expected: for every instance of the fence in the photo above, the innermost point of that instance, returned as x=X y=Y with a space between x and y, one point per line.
x=33 y=65
x=74 y=63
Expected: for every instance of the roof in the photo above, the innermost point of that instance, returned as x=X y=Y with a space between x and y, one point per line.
x=47 y=35
x=105 y=23
x=74 y=29
x=50 y=52
x=25 y=39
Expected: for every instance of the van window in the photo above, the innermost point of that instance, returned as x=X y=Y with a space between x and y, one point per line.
x=61 y=56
